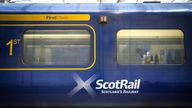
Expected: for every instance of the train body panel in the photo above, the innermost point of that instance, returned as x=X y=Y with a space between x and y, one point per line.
x=35 y=69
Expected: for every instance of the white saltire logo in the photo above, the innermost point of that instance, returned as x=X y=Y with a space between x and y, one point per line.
x=83 y=84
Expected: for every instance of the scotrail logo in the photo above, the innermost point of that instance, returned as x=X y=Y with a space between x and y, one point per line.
x=123 y=86
x=118 y=87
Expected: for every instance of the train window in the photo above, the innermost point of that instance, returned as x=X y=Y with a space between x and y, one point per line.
x=56 y=47
x=150 y=46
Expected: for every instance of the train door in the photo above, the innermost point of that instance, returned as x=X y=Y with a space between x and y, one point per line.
x=112 y=70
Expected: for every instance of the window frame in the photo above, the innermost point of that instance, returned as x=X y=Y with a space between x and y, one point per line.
x=44 y=64
x=184 y=58
x=63 y=67
x=24 y=27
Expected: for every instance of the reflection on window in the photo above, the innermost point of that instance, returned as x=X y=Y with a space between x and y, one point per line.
x=140 y=46
x=56 y=47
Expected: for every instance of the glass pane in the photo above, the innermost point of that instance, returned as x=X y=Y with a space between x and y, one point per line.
x=56 y=47
x=150 y=46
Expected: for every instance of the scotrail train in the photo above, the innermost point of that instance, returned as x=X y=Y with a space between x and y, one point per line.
x=60 y=54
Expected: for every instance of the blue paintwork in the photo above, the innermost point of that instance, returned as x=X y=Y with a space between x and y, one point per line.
x=160 y=83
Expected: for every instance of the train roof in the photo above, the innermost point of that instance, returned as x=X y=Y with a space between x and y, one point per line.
x=142 y=7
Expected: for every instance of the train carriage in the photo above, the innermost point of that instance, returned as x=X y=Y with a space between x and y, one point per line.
x=95 y=54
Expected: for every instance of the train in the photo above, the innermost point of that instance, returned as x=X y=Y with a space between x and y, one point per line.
x=95 y=55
